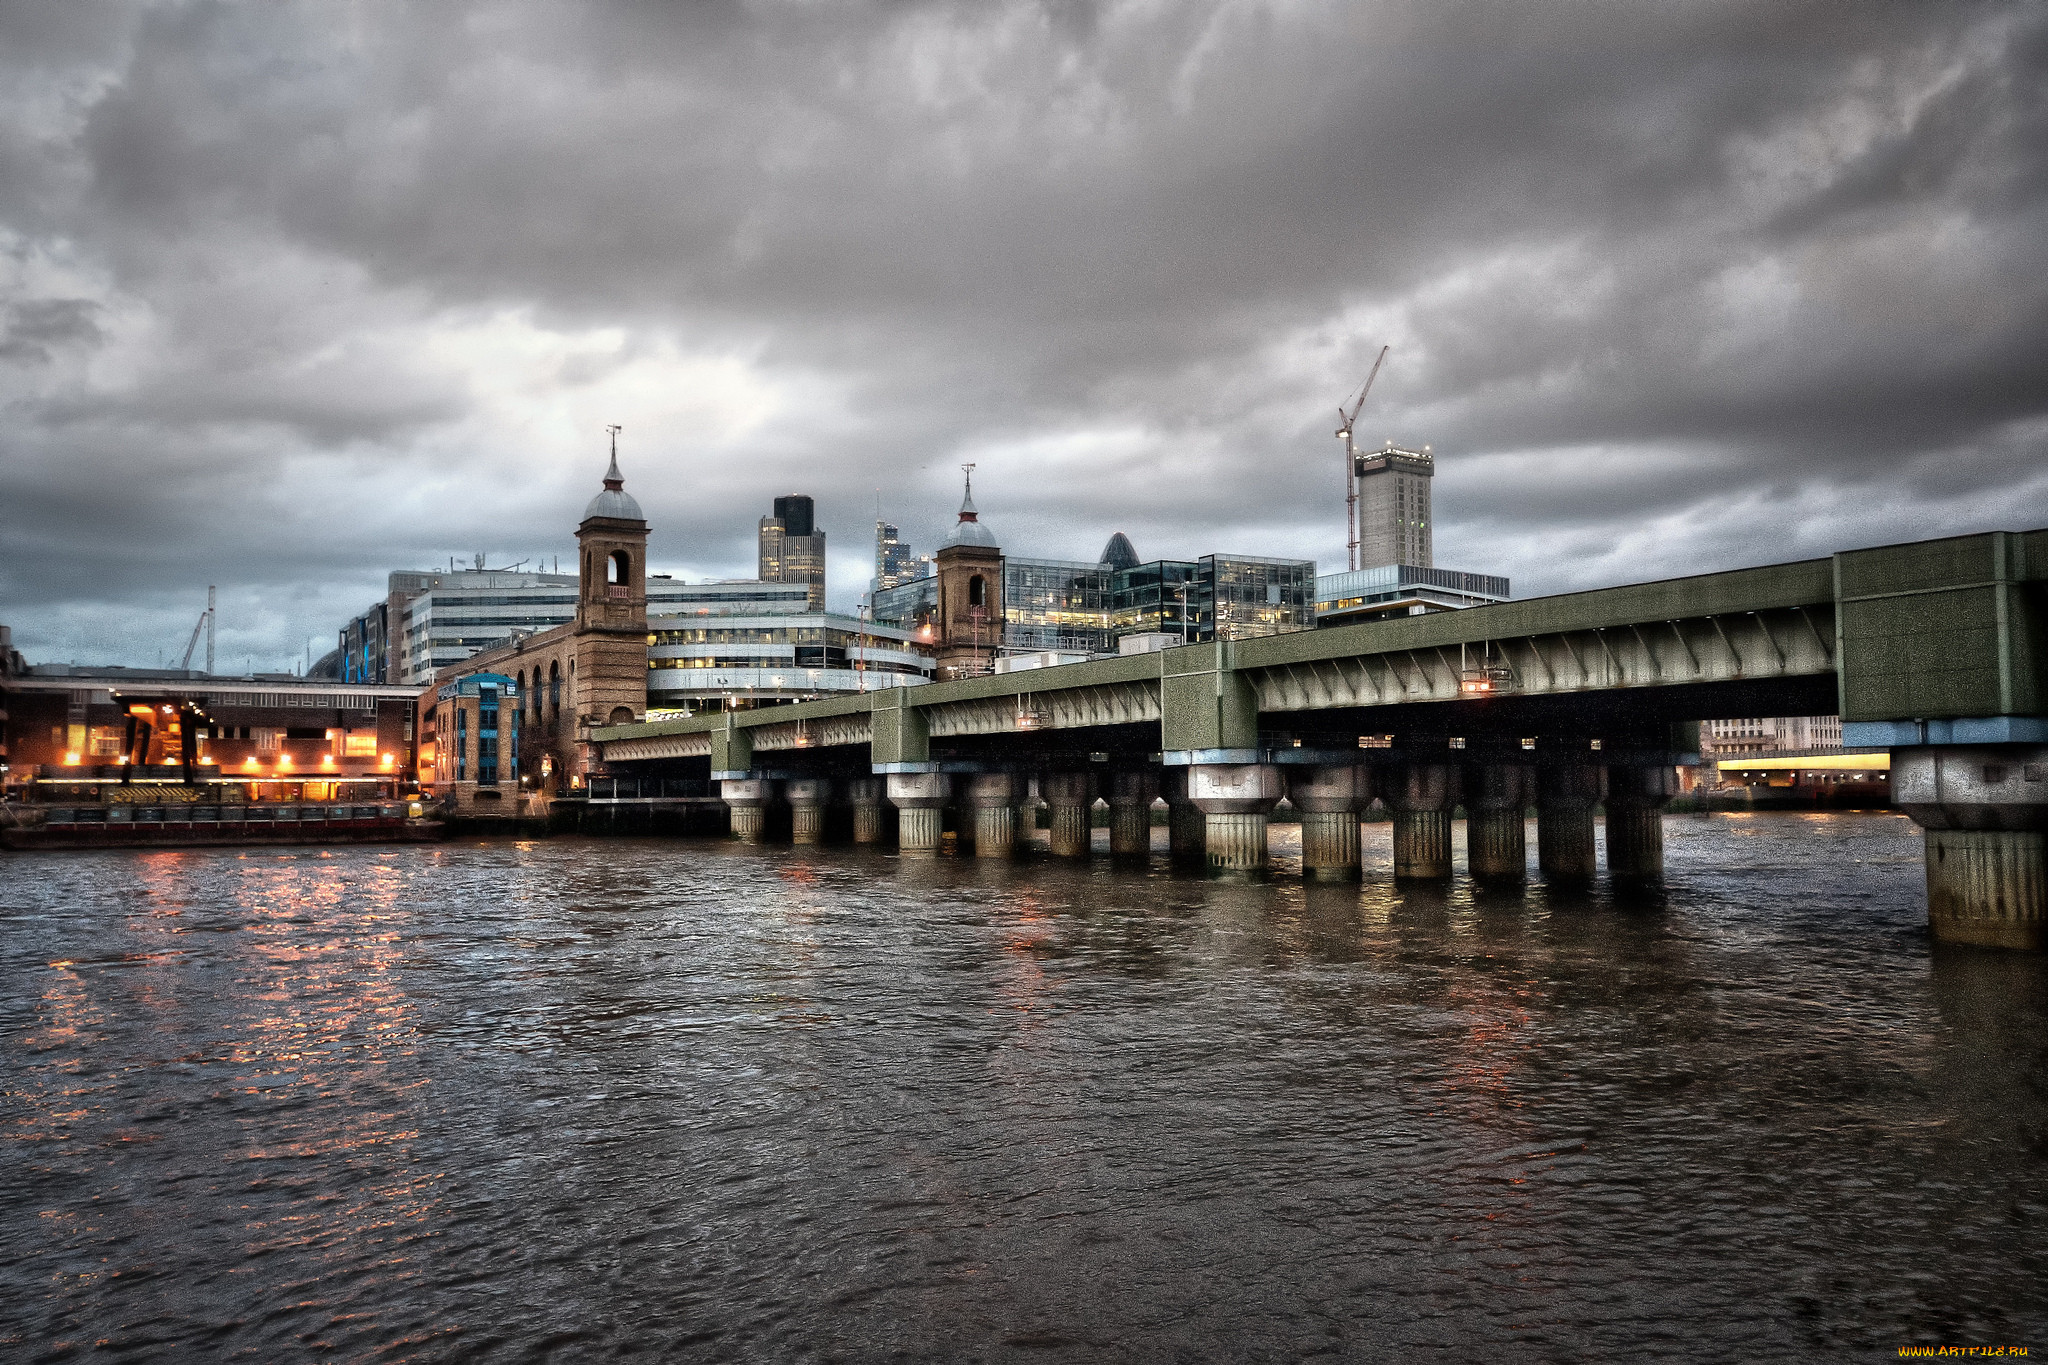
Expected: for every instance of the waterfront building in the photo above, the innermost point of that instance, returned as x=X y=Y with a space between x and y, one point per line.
x=1070 y=606
x=704 y=662
x=271 y=736
x=636 y=647
x=1394 y=524
x=792 y=548
x=1390 y=590
x=431 y=622
x=557 y=684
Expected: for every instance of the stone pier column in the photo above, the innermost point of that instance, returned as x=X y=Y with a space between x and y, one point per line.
x=1983 y=813
x=920 y=801
x=1186 y=826
x=867 y=796
x=1328 y=800
x=1235 y=800
x=1565 y=798
x=807 y=797
x=990 y=803
x=747 y=798
x=1497 y=799
x=1636 y=798
x=1421 y=795
x=1131 y=795
x=1071 y=797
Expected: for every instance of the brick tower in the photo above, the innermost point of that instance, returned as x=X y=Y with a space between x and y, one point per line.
x=970 y=607
x=610 y=663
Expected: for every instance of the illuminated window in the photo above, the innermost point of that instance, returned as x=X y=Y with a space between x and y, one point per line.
x=360 y=746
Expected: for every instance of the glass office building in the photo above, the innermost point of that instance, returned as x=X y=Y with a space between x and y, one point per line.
x=1074 y=607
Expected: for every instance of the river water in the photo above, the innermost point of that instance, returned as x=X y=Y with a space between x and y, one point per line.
x=577 y=1099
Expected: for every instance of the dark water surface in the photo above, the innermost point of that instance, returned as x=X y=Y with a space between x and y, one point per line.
x=583 y=1099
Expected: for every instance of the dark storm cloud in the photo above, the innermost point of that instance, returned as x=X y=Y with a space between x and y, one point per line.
x=293 y=295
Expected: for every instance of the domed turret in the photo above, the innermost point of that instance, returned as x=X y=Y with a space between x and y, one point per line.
x=969 y=530
x=614 y=502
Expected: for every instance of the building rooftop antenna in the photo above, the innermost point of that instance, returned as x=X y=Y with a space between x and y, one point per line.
x=1344 y=423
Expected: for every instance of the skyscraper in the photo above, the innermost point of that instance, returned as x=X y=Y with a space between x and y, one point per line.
x=1394 y=523
x=792 y=549
x=894 y=562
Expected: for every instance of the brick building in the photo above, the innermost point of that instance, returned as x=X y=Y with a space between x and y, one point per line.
x=543 y=692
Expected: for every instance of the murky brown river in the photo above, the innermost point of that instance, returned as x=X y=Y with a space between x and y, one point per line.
x=584 y=1099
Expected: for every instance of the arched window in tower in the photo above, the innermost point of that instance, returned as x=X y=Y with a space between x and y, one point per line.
x=977 y=591
x=555 y=688
x=619 y=573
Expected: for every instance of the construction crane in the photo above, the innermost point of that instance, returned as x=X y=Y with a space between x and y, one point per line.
x=1345 y=419
x=205 y=623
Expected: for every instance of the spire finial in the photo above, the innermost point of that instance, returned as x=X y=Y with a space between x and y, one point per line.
x=967 y=512
x=612 y=478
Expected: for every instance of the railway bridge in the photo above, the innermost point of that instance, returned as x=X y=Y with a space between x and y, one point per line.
x=1935 y=650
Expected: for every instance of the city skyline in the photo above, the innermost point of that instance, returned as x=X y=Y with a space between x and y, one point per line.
x=288 y=302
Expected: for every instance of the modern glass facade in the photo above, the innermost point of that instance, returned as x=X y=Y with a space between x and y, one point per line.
x=455 y=616
x=1389 y=590
x=696 y=664
x=1058 y=604
x=1245 y=596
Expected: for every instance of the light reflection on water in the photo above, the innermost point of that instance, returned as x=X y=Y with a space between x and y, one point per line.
x=694 y=1099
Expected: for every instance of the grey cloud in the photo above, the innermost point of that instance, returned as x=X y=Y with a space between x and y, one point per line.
x=1641 y=265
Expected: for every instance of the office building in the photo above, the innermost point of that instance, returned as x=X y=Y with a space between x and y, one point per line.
x=433 y=621
x=1390 y=590
x=895 y=564
x=707 y=662
x=792 y=548
x=1067 y=606
x=1394 y=525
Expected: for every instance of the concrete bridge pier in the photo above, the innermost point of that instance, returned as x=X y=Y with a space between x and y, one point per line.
x=920 y=800
x=1236 y=800
x=1983 y=813
x=1497 y=798
x=807 y=797
x=1421 y=796
x=1565 y=797
x=747 y=799
x=1329 y=799
x=1071 y=799
x=1636 y=798
x=1186 y=826
x=1131 y=795
x=868 y=796
x=991 y=804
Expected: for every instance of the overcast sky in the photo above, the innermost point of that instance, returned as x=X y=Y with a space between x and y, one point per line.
x=294 y=295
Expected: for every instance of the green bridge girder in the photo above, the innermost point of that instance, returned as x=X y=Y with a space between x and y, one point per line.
x=1929 y=630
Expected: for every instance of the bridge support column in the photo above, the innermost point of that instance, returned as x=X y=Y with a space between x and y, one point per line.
x=1131 y=795
x=807 y=797
x=1421 y=796
x=1328 y=800
x=1186 y=826
x=1565 y=797
x=747 y=799
x=1496 y=804
x=1985 y=829
x=1071 y=797
x=1636 y=798
x=920 y=801
x=1235 y=801
x=866 y=795
x=991 y=805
